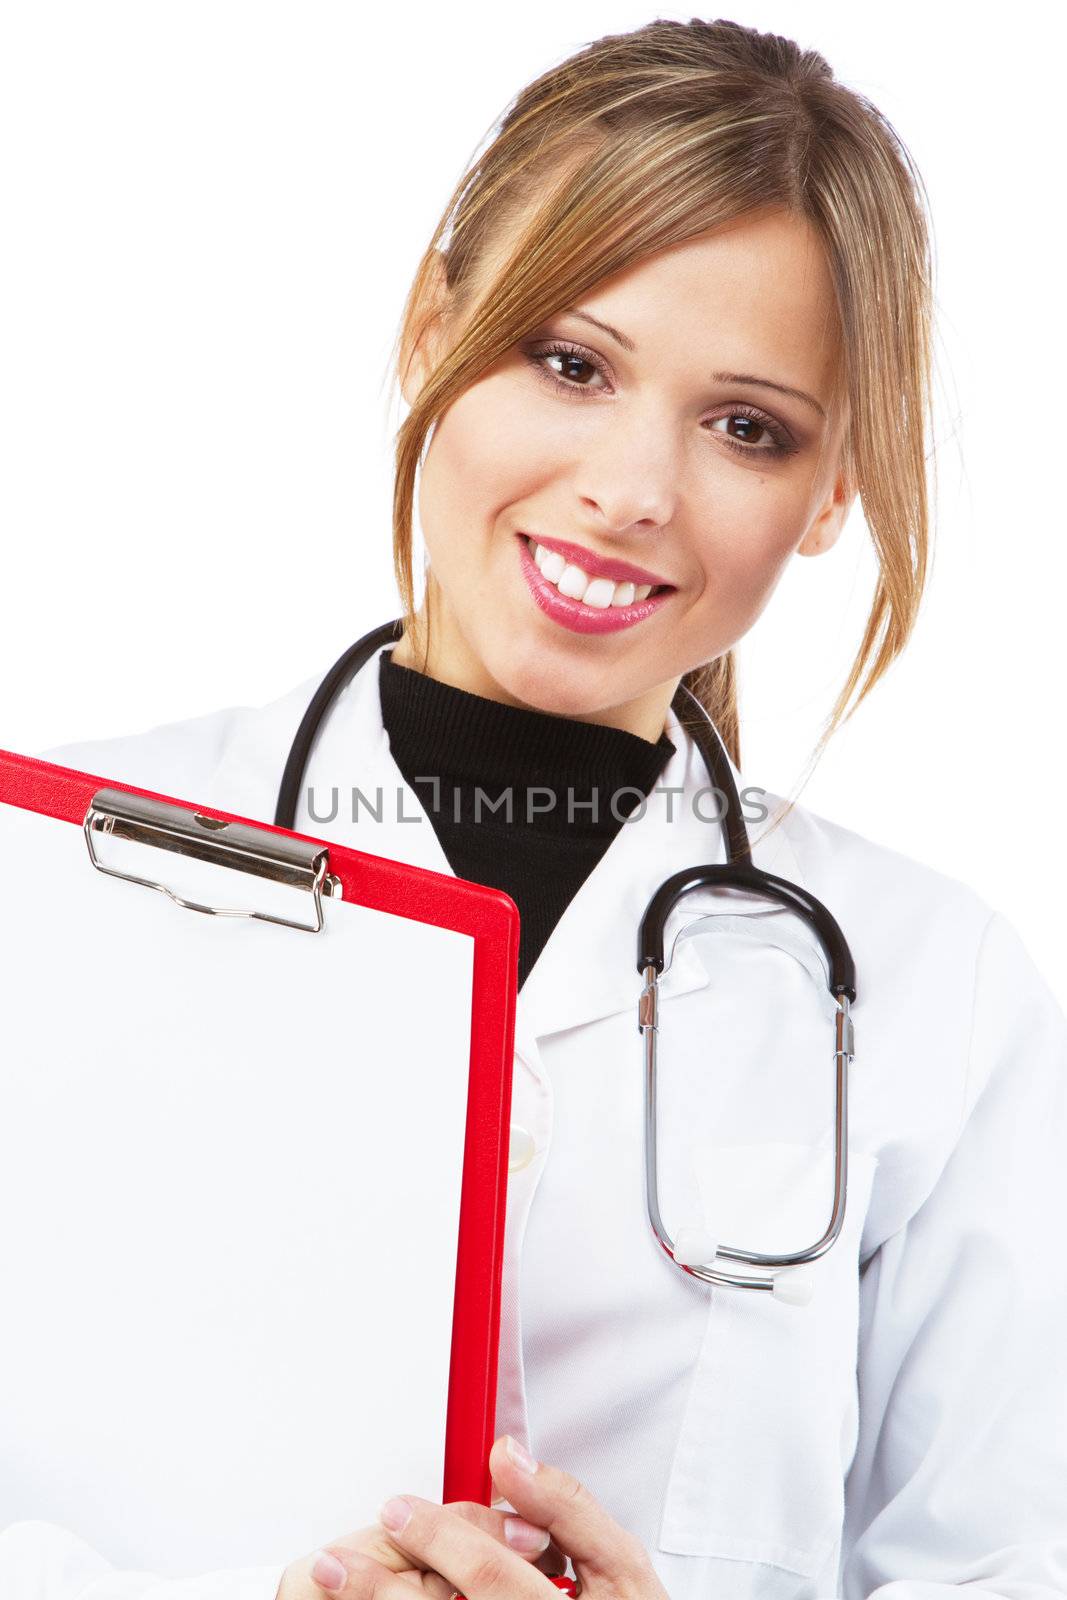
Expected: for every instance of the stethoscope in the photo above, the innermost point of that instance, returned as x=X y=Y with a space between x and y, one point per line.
x=695 y=1251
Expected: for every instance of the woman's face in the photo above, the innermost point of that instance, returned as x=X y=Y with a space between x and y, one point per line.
x=669 y=444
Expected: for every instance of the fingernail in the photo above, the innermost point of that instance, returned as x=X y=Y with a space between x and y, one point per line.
x=328 y=1572
x=522 y=1458
x=524 y=1536
x=396 y=1514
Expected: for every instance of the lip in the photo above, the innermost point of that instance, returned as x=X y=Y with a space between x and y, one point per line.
x=573 y=614
x=598 y=566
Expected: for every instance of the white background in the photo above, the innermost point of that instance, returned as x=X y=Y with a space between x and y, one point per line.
x=211 y=215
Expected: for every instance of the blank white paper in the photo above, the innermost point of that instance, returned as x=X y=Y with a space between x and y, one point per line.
x=230 y=1166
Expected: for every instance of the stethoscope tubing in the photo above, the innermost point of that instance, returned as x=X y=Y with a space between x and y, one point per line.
x=738 y=871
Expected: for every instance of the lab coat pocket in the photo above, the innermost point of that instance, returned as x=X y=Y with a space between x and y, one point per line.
x=769 y=1425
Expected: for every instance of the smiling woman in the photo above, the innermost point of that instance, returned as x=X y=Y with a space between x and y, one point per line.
x=736 y=365
x=705 y=441
x=672 y=324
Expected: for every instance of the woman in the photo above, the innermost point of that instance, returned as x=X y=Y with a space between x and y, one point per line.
x=680 y=323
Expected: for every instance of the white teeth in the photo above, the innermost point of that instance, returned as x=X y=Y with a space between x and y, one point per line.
x=600 y=593
x=578 y=585
x=552 y=565
x=573 y=582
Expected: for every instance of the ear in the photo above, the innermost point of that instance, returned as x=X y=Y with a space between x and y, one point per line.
x=418 y=354
x=825 y=530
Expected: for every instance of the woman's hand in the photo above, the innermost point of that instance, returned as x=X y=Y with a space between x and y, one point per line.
x=466 y=1556
x=372 y=1549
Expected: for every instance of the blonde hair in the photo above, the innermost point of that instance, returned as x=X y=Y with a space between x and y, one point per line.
x=643 y=140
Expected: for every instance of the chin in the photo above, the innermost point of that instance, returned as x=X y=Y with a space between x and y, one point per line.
x=562 y=692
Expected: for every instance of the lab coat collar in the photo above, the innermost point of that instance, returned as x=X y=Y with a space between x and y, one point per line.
x=588 y=967
x=354 y=793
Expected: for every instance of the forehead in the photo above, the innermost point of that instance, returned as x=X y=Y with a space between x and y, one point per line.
x=753 y=294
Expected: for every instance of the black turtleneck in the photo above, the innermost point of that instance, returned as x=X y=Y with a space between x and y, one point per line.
x=484 y=754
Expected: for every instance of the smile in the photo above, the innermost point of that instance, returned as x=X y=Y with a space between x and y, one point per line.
x=581 y=601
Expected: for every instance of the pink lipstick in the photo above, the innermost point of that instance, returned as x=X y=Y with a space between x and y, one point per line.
x=575 y=614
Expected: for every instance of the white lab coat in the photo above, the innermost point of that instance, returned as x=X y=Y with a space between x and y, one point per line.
x=908 y=1428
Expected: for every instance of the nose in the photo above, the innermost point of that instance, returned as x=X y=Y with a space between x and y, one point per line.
x=631 y=478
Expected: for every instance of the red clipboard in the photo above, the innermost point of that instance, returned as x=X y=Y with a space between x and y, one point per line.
x=491 y=919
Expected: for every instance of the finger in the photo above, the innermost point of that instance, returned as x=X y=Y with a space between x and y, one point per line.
x=513 y=1531
x=553 y=1563
x=475 y=1563
x=553 y=1499
x=524 y=1537
x=346 y=1574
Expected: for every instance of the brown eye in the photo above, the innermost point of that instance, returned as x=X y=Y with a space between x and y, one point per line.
x=569 y=365
x=572 y=363
x=747 y=429
x=750 y=433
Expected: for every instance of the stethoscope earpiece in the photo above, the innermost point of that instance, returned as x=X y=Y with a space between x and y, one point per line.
x=793 y=1288
x=695 y=1246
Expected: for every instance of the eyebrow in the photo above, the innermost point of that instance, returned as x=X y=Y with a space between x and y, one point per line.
x=719 y=377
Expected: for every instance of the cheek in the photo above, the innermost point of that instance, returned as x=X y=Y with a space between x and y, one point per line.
x=481 y=460
x=751 y=545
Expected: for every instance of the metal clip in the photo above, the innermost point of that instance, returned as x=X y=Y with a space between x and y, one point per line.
x=845 y=1041
x=300 y=863
x=648 y=1004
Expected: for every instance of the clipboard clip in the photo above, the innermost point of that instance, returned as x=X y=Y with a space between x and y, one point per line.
x=299 y=863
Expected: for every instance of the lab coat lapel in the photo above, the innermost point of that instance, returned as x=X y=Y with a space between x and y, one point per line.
x=588 y=968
